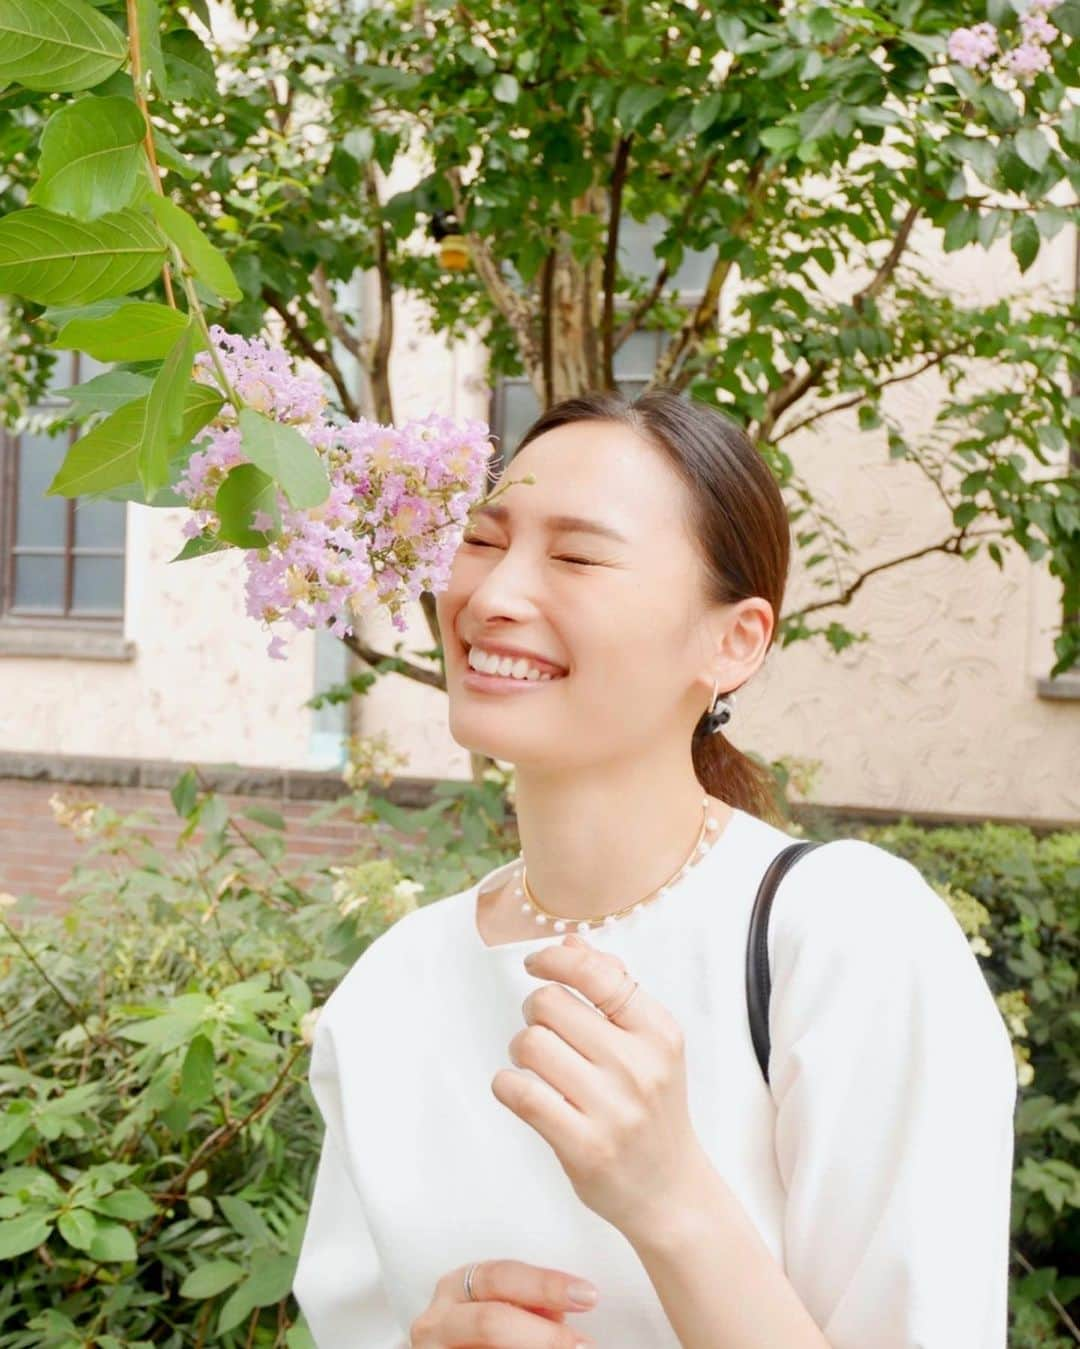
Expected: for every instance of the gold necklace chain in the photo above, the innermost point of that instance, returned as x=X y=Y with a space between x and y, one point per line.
x=584 y=924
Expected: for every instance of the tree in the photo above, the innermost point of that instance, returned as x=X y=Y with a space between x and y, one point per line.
x=786 y=143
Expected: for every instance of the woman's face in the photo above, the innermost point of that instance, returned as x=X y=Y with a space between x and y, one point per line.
x=622 y=618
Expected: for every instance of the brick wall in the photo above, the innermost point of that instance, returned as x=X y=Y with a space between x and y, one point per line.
x=38 y=853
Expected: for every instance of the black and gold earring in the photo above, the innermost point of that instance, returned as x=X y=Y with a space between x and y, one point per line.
x=720 y=710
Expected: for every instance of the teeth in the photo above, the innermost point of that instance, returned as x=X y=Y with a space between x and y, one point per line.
x=506 y=666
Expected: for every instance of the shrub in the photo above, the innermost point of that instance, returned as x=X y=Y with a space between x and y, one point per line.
x=157 y=1134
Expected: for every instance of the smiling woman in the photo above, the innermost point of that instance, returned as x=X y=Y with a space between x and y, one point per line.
x=535 y=1114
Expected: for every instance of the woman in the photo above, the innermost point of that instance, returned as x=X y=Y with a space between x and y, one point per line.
x=548 y=1078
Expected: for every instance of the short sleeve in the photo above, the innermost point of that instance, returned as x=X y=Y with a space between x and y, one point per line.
x=895 y=1088
x=338 y=1281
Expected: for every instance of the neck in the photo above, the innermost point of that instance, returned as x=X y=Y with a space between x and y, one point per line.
x=596 y=842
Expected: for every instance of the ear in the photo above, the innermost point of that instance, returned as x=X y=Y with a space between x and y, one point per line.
x=738 y=641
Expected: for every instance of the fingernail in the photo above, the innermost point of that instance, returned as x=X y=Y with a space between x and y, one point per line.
x=583 y=1294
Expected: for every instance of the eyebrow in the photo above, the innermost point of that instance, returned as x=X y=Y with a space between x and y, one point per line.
x=576 y=523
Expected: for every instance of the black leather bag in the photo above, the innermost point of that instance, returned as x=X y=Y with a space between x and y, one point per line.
x=758 y=981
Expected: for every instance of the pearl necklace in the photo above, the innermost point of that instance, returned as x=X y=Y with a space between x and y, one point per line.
x=543 y=915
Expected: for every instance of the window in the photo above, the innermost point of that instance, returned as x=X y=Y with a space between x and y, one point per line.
x=514 y=405
x=61 y=559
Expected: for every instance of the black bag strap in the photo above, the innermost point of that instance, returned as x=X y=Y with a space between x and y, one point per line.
x=758 y=981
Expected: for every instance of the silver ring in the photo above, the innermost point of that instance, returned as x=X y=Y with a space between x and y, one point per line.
x=468 y=1281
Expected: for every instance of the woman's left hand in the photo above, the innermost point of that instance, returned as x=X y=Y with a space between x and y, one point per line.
x=612 y=1099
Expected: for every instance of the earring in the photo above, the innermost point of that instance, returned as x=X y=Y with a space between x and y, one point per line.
x=720 y=710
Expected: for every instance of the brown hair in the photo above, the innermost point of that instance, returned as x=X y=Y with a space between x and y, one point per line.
x=740 y=522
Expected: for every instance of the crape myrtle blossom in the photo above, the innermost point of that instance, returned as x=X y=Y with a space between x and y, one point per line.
x=978 y=47
x=398 y=504
x=974 y=47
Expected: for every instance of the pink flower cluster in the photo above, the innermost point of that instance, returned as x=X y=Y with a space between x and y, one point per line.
x=977 y=48
x=398 y=504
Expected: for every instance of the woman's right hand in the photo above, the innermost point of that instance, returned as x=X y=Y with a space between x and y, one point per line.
x=515 y=1304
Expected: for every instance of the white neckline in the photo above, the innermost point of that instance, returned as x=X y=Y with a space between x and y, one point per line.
x=472 y=895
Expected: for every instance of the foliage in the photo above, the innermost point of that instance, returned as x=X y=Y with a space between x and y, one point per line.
x=783 y=147
x=1018 y=898
x=157 y=1133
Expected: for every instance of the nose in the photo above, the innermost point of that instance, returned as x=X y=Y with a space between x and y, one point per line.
x=506 y=590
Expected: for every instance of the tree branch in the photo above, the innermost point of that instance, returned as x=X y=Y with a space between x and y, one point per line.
x=885 y=271
x=384 y=342
x=611 y=253
x=334 y=323
x=953 y=544
x=796 y=386
x=514 y=307
x=695 y=326
x=633 y=321
x=367 y=653
x=860 y=397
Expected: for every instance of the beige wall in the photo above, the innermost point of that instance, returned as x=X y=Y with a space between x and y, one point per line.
x=198 y=686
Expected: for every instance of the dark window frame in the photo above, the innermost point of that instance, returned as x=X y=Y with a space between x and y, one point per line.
x=69 y=618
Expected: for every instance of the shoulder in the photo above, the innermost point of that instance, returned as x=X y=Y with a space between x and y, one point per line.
x=850 y=890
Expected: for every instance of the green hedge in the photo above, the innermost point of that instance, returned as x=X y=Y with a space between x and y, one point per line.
x=157 y=1135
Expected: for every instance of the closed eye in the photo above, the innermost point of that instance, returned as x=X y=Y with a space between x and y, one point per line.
x=577 y=561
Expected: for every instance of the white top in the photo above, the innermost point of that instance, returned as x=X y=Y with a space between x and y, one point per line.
x=877 y=1166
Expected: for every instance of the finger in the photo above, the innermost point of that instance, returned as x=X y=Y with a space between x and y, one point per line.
x=558 y=1122
x=553 y=1052
x=517 y=1281
x=495 y=1325
x=599 y=975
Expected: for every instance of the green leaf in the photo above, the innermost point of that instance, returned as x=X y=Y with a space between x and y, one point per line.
x=1032 y=147
x=271 y=1280
x=200 y=546
x=210 y=1279
x=780 y=138
x=59 y=46
x=107 y=456
x=150 y=40
x=190 y=67
x=506 y=89
x=636 y=102
x=283 y=453
x=705 y=112
x=237 y=1308
x=197 y=1073
x=1025 y=240
x=111 y=1242
x=104 y=393
x=207 y=263
x=77 y=1227
x=731 y=32
x=169 y=157
x=91 y=154
x=246 y=489
x=244 y=1218
x=14 y=1122
x=185 y=794
x=19 y=1235
x=131 y=1205
x=55 y=259
x=136 y=331
x=273 y=819
x=162 y=430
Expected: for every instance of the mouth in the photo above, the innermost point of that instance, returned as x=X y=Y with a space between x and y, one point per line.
x=531 y=678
